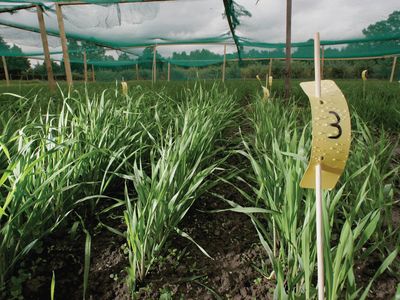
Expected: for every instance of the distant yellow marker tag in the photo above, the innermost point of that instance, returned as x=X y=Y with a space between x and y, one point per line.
x=364 y=74
x=265 y=92
x=265 y=89
x=331 y=131
x=124 y=86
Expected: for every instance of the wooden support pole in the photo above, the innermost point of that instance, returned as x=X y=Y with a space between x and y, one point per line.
x=270 y=68
x=64 y=44
x=85 y=71
x=288 y=72
x=137 y=71
x=93 y=75
x=155 y=64
x=6 y=70
x=322 y=61
x=393 y=68
x=268 y=76
x=224 y=64
x=169 y=71
x=317 y=65
x=45 y=44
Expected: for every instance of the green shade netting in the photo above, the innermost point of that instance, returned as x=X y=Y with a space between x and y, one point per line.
x=45 y=3
x=347 y=29
x=252 y=29
x=185 y=56
x=9 y=7
x=133 y=24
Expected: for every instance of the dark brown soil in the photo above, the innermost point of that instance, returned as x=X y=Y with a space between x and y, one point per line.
x=183 y=272
x=384 y=286
x=233 y=244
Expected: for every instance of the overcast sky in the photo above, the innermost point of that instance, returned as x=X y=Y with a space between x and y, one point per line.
x=196 y=19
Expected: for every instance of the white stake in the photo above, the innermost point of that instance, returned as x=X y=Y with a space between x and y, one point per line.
x=318 y=191
x=317 y=65
x=320 y=232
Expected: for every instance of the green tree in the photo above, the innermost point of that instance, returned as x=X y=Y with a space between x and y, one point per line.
x=17 y=65
x=390 y=26
x=145 y=60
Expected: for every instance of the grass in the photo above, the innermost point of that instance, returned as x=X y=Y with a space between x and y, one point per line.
x=357 y=213
x=181 y=163
x=379 y=108
x=149 y=154
x=62 y=157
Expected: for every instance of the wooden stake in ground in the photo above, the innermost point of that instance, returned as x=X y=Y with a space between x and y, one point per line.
x=393 y=68
x=93 y=75
x=288 y=72
x=322 y=61
x=224 y=64
x=169 y=71
x=331 y=138
x=45 y=44
x=85 y=71
x=137 y=71
x=154 y=64
x=6 y=70
x=318 y=190
x=64 y=44
x=270 y=68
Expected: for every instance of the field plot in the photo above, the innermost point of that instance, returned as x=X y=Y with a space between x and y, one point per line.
x=190 y=190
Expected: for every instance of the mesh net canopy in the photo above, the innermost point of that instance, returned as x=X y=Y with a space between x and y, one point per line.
x=194 y=33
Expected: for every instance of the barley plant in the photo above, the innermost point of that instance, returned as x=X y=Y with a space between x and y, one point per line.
x=179 y=170
x=357 y=212
x=63 y=154
x=147 y=153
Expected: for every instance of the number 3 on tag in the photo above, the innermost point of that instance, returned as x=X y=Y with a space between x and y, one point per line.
x=331 y=134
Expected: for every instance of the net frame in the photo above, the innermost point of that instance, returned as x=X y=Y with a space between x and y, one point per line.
x=232 y=20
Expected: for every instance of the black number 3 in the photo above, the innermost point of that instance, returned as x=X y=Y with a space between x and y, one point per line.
x=336 y=125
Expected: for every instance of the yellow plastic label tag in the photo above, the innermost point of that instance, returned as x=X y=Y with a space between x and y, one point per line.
x=364 y=74
x=265 y=92
x=270 y=78
x=124 y=86
x=265 y=89
x=331 y=134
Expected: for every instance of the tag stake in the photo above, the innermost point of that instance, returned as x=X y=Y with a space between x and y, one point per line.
x=318 y=190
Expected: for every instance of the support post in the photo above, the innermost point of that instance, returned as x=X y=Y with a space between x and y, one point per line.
x=318 y=190
x=137 y=71
x=224 y=64
x=169 y=71
x=288 y=72
x=270 y=68
x=93 y=75
x=64 y=45
x=45 y=44
x=85 y=71
x=393 y=68
x=322 y=61
x=6 y=70
x=320 y=230
x=155 y=64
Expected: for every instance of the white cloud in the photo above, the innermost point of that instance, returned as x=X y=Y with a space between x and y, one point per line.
x=183 y=20
x=334 y=19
